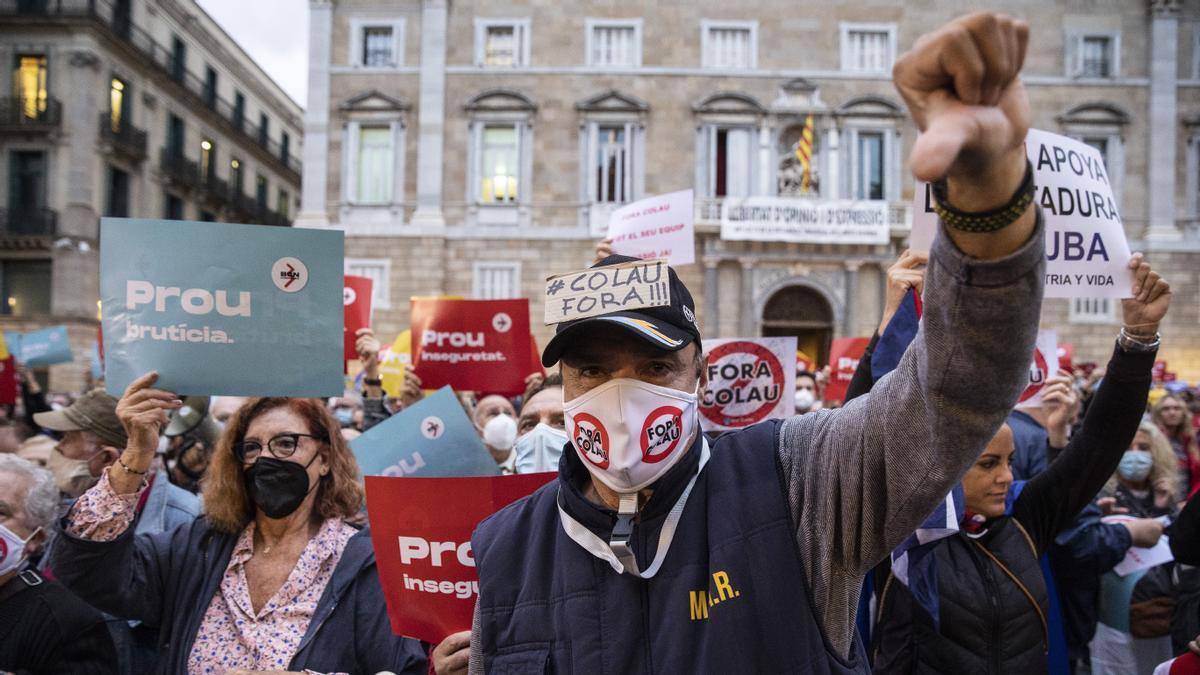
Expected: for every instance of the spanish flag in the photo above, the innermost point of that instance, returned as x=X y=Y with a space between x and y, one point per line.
x=804 y=153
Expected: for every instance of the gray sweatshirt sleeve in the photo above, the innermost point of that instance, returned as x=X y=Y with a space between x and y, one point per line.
x=861 y=478
x=475 y=665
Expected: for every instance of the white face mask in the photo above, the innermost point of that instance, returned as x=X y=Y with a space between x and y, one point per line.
x=804 y=400
x=629 y=433
x=72 y=476
x=540 y=449
x=12 y=549
x=500 y=432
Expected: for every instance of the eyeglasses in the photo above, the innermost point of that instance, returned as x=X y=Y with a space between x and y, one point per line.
x=281 y=446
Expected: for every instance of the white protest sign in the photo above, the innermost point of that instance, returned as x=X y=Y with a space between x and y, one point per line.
x=749 y=380
x=1086 y=250
x=1138 y=558
x=656 y=227
x=804 y=221
x=1043 y=366
x=611 y=288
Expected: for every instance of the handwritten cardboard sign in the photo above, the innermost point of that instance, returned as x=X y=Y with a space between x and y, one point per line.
x=613 y=288
x=421 y=529
x=656 y=227
x=1086 y=249
x=749 y=380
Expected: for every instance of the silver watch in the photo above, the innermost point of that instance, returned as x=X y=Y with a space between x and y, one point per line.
x=1130 y=343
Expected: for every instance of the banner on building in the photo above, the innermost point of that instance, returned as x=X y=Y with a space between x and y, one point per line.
x=804 y=221
x=1086 y=249
x=434 y=437
x=356 y=300
x=656 y=227
x=844 y=355
x=1042 y=367
x=219 y=308
x=749 y=380
x=471 y=345
x=421 y=529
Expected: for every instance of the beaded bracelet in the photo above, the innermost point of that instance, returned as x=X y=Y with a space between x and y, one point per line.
x=986 y=221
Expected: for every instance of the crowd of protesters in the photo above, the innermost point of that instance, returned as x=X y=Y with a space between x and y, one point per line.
x=159 y=533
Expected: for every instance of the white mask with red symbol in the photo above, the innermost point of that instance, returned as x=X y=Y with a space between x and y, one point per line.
x=629 y=433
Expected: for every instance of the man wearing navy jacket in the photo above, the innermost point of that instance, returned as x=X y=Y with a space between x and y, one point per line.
x=656 y=551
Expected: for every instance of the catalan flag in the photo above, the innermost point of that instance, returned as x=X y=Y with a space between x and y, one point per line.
x=804 y=153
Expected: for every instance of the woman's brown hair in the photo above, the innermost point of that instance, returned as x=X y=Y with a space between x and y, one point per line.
x=339 y=493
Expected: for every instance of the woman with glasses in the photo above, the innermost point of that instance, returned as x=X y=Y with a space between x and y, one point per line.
x=271 y=578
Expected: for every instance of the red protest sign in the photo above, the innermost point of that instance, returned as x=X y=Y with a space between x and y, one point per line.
x=1066 y=353
x=1158 y=371
x=844 y=355
x=423 y=548
x=356 y=299
x=8 y=381
x=472 y=345
x=749 y=380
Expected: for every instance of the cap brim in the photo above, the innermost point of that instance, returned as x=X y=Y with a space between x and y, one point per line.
x=57 y=420
x=657 y=334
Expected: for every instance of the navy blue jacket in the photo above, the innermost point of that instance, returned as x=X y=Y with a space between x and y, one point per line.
x=167 y=580
x=1029 y=446
x=730 y=597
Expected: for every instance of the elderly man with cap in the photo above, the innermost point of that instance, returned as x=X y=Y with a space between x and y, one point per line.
x=657 y=551
x=92 y=440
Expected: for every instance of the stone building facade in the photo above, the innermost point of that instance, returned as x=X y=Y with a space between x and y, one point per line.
x=472 y=149
x=133 y=108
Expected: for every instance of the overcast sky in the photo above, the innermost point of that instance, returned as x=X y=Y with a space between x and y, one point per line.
x=274 y=33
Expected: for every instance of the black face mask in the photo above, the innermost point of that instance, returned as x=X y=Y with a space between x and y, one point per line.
x=276 y=486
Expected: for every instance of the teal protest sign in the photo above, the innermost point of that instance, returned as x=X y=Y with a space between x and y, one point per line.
x=432 y=438
x=40 y=348
x=219 y=308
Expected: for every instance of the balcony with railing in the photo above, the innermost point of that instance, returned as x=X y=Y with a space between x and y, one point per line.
x=28 y=223
x=123 y=138
x=121 y=27
x=21 y=115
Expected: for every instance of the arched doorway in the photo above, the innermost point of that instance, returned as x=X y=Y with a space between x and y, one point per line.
x=803 y=312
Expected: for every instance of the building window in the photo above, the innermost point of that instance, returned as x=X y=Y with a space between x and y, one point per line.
x=611 y=164
x=285 y=149
x=614 y=43
x=208 y=160
x=27 y=192
x=175 y=136
x=207 y=217
x=283 y=203
x=239 y=109
x=236 y=172
x=30 y=83
x=1094 y=55
x=496 y=280
x=1092 y=310
x=730 y=161
x=376 y=44
x=118 y=104
x=869 y=163
x=729 y=44
x=178 y=58
x=117 y=204
x=264 y=129
x=375 y=162
x=260 y=191
x=502 y=43
x=173 y=208
x=379 y=271
x=25 y=286
x=868 y=48
x=500 y=164
x=210 y=86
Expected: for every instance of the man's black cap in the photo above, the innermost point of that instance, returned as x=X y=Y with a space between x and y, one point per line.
x=670 y=327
